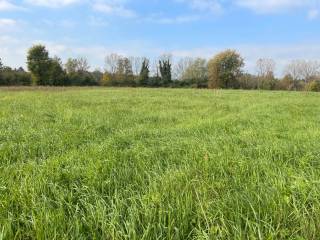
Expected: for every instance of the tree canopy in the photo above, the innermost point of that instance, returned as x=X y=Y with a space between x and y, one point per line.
x=225 y=69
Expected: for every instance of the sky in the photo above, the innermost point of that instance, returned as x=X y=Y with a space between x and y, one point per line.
x=283 y=30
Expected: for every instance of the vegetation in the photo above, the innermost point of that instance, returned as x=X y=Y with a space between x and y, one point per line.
x=313 y=86
x=144 y=73
x=159 y=164
x=13 y=77
x=165 y=70
x=224 y=70
x=39 y=64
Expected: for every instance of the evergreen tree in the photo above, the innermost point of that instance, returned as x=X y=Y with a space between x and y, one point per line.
x=165 y=70
x=144 y=73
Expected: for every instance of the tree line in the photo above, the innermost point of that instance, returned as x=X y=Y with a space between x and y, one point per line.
x=225 y=70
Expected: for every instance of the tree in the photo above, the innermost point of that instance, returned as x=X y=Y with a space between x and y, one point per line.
x=124 y=74
x=120 y=72
x=165 y=69
x=13 y=77
x=128 y=72
x=78 y=72
x=180 y=68
x=136 y=63
x=97 y=75
x=38 y=62
x=225 y=69
x=309 y=70
x=303 y=70
x=313 y=86
x=1 y=68
x=82 y=64
x=106 y=80
x=57 y=76
x=144 y=73
x=111 y=63
x=197 y=72
x=1 y=64
x=265 y=69
x=71 y=65
x=248 y=81
x=74 y=65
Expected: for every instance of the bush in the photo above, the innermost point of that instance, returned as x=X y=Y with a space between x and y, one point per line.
x=14 y=77
x=313 y=86
x=83 y=79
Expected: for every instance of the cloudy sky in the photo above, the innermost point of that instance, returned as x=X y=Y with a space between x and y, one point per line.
x=278 y=29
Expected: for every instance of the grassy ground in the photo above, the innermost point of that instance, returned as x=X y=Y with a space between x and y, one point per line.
x=159 y=164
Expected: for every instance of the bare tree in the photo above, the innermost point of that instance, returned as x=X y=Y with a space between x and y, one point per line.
x=76 y=65
x=136 y=63
x=197 y=70
x=265 y=67
x=309 y=69
x=111 y=62
x=302 y=69
x=181 y=66
x=154 y=67
x=293 y=70
x=82 y=64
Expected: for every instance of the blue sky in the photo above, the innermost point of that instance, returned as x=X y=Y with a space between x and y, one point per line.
x=278 y=29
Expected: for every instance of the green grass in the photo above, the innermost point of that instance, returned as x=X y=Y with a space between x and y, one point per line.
x=159 y=164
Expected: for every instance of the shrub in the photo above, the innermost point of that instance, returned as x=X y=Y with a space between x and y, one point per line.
x=313 y=86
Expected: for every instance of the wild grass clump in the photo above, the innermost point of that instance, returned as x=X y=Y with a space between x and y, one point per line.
x=159 y=164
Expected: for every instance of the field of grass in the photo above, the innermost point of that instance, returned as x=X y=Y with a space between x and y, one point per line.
x=159 y=164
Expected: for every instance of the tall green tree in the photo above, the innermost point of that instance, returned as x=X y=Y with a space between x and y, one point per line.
x=165 y=71
x=144 y=73
x=57 y=76
x=38 y=62
x=225 y=69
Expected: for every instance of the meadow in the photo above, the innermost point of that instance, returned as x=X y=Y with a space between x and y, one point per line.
x=111 y=163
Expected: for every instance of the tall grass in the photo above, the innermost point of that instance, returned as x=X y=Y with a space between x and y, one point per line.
x=159 y=164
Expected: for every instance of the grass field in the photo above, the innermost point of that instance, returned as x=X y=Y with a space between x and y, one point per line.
x=159 y=164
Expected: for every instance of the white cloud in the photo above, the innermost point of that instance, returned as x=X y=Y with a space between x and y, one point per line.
x=273 y=6
x=313 y=14
x=213 y=6
x=172 y=20
x=114 y=7
x=97 y=22
x=52 y=3
x=7 y=24
x=6 y=5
